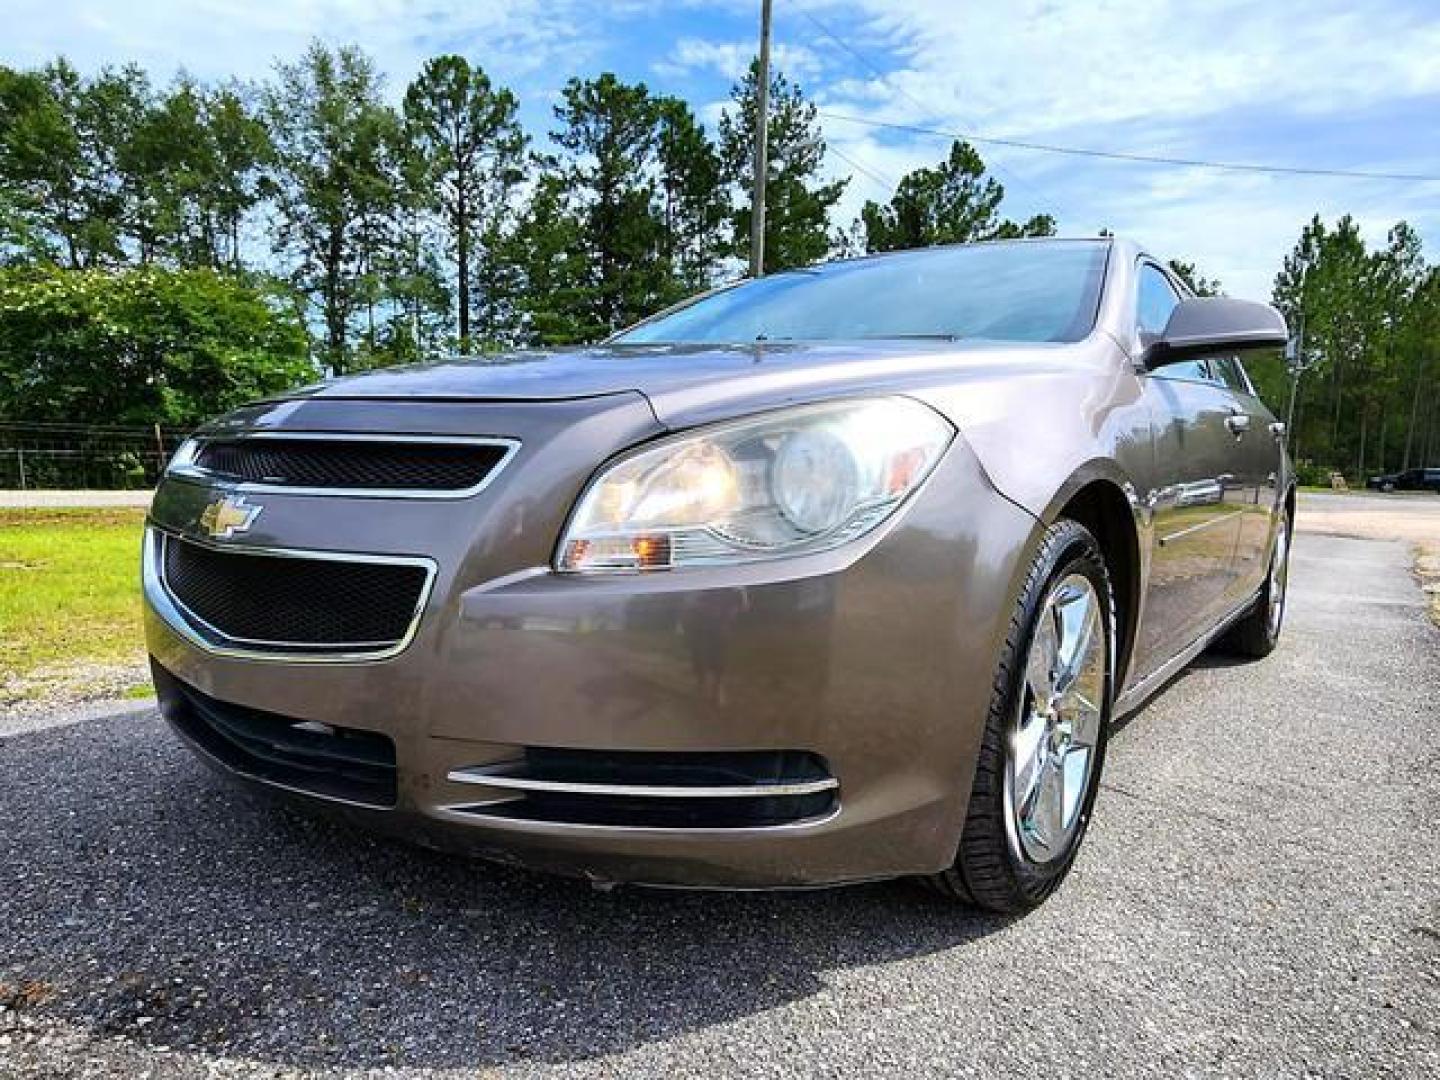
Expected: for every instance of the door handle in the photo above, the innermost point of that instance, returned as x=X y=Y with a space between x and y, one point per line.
x=1238 y=424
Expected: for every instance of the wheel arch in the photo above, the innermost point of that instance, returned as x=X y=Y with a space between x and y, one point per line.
x=1101 y=497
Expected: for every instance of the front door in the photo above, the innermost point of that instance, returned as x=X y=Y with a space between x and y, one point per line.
x=1197 y=510
x=1197 y=500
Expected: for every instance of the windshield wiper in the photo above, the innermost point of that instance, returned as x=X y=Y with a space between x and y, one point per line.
x=762 y=336
x=909 y=337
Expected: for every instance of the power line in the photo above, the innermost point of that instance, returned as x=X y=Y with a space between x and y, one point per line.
x=879 y=73
x=1145 y=159
x=879 y=178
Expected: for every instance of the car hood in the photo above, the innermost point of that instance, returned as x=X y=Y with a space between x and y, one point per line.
x=689 y=379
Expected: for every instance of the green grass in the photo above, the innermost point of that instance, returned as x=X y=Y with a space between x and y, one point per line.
x=69 y=589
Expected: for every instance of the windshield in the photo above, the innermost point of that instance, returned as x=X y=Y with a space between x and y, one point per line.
x=999 y=292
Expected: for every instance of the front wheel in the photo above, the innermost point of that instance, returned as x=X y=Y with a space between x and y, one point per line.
x=1044 y=740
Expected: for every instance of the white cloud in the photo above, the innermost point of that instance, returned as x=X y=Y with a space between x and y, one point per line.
x=731 y=58
x=1145 y=76
x=1033 y=65
x=217 y=38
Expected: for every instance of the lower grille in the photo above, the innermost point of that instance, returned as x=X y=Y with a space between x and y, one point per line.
x=643 y=789
x=293 y=601
x=337 y=763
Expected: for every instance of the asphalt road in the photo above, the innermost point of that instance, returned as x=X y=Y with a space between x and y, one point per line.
x=1259 y=896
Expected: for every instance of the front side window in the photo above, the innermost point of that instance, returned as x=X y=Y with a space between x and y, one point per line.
x=1024 y=292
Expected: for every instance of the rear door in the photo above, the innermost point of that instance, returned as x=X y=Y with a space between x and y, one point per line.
x=1199 y=498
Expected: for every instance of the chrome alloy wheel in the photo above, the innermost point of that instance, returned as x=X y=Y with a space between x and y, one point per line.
x=1057 y=725
x=1279 y=578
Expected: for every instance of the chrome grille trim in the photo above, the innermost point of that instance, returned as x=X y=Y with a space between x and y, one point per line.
x=186 y=469
x=210 y=639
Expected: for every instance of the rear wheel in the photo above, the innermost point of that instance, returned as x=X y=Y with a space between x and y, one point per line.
x=1044 y=740
x=1258 y=632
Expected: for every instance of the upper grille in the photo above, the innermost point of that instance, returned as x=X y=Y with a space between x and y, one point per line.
x=292 y=602
x=400 y=465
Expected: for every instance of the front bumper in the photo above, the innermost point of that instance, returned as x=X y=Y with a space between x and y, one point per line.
x=873 y=664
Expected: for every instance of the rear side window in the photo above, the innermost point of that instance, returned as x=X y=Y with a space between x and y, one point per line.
x=1228 y=371
x=1157 y=299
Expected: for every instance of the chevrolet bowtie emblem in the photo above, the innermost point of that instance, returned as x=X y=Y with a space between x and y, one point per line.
x=228 y=515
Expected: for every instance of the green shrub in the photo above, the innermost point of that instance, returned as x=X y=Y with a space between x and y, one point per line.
x=1308 y=474
x=141 y=346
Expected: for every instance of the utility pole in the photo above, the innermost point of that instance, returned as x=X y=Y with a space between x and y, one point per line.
x=762 y=126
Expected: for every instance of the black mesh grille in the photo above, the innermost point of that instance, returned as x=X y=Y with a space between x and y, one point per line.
x=354 y=464
x=301 y=603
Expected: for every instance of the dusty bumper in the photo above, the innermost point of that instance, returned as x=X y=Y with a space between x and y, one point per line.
x=875 y=660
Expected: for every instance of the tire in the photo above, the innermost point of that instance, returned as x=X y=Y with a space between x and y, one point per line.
x=1002 y=863
x=1258 y=631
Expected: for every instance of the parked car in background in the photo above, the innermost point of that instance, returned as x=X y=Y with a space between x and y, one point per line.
x=1408 y=480
x=835 y=575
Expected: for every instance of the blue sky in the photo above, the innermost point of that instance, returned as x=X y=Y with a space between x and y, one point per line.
x=1335 y=85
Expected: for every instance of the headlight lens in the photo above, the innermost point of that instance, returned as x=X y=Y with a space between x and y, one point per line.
x=795 y=481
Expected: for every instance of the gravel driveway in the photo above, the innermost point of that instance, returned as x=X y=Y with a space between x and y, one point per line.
x=1259 y=896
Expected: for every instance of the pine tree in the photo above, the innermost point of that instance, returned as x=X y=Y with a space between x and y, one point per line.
x=797 y=201
x=336 y=185
x=465 y=131
x=955 y=202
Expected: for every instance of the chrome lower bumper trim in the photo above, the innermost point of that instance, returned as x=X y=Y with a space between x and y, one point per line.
x=487 y=778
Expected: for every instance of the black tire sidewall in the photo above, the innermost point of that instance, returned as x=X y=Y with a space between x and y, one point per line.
x=1252 y=637
x=1073 y=550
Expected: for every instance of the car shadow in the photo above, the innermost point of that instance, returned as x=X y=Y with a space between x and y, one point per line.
x=1206 y=661
x=151 y=900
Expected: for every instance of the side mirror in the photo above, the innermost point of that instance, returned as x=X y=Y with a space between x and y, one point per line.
x=1216 y=324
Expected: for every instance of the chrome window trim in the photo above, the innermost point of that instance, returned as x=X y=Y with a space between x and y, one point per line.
x=185 y=469
x=193 y=628
x=485 y=778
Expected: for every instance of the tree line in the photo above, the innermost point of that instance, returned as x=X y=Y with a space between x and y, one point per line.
x=440 y=223
x=199 y=243
x=1368 y=325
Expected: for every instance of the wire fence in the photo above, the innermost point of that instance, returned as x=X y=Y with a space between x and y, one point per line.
x=57 y=456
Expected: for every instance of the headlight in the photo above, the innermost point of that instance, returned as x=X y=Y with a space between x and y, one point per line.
x=798 y=480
